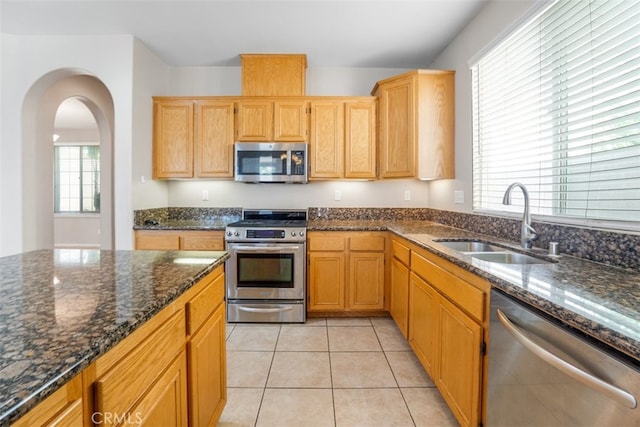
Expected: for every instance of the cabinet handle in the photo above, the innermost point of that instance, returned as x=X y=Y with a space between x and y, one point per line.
x=615 y=393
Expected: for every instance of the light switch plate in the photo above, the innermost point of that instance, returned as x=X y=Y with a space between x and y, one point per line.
x=458 y=196
x=337 y=195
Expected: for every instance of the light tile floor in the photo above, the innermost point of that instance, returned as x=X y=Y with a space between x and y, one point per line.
x=344 y=372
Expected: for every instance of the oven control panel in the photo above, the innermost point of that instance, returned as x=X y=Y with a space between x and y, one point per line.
x=287 y=234
x=266 y=233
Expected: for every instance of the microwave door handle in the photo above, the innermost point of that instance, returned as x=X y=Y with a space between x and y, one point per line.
x=278 y=249
x=615 y=393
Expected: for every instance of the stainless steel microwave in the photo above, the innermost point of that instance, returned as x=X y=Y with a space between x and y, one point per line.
x=271 y=162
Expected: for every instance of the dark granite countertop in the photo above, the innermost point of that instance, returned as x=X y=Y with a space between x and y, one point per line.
x=62 y=309
x=601 y=301
x=218 y=224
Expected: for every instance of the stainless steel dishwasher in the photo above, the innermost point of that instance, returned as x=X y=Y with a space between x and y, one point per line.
x=541 y=374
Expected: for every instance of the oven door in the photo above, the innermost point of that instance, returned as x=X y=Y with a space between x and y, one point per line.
x=261 y=271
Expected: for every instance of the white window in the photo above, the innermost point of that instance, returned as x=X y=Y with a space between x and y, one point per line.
x=556 y=106
x=77 y=178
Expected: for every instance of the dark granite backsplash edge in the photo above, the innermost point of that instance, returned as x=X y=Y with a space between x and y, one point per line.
x=613 y=248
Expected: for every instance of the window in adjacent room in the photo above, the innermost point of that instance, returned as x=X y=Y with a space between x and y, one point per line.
x=556 y=106
x=77 y=178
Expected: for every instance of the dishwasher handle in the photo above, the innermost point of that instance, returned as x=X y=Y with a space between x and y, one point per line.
x=615 y=393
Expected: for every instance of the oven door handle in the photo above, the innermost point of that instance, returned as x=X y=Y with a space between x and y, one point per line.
x=264 y=310
x=267 y=248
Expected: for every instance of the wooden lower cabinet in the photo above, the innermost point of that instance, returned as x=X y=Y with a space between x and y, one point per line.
x=447 y=325
x=173 y=240
x=459 y=362
x=166 y=401
x=206 y=354
x=399 y=284
x=424 y=323
x=346 y=271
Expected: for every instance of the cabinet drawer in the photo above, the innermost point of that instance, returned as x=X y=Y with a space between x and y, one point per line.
x=62 y=408
x=326 y=243
x=157 y=240
x=118 y=389
x=204 y=303
x=366 y=243
x=401 y=252
x=202 y=243
x=465 y=295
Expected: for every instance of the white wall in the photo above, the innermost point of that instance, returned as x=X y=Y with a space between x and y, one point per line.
x=150 y=77
x=108 y=58
x=494 y=18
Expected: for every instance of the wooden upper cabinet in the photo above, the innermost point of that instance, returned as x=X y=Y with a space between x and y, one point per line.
x=360 y=139
x=342 y=138
x=193 y=138
x=214 y=138
x=273 y=74
x=416 y=124
x=267 y=119
x=173 y=138
x=326 y=140
x=255 y=120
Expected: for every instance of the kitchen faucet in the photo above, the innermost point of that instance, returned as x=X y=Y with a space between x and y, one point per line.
x=527 y=233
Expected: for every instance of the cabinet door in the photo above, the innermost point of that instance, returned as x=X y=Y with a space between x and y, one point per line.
x=290 y=121
x=207 y=371
x=255 y=120
x=399 y=304
x=366 y=280
x=326 y=140
x=165 y=403
x=424 y=322
x=360 y=140
x=397 y=129
x=326 y=281
x=173 y=139
x=214 y=139
x=460 y=363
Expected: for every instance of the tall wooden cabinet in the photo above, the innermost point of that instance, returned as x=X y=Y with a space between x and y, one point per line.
x=193 y=138
x=416 y=125
x=346 y=271
x=272 y=119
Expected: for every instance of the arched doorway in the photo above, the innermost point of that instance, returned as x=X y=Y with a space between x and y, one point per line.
x=38 y=119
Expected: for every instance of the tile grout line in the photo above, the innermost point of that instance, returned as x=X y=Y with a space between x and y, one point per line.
x=394 y=376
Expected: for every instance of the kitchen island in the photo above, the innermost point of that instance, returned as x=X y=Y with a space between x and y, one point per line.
x=63 y=311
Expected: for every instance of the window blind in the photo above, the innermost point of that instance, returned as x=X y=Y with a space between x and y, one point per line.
x=556 y=106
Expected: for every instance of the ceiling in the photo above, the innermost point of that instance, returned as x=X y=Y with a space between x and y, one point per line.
x=400 y=34
x=348 y=33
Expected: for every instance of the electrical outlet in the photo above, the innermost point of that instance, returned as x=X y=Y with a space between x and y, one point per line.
x=337 y=195
x=458 y=196
x=407 y=194
x=205 y=195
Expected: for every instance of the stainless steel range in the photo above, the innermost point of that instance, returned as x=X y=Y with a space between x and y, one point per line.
x=267 y=266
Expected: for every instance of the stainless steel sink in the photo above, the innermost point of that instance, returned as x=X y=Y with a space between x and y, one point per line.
x=491 y=253
x=469 y=246
x=508 y=258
